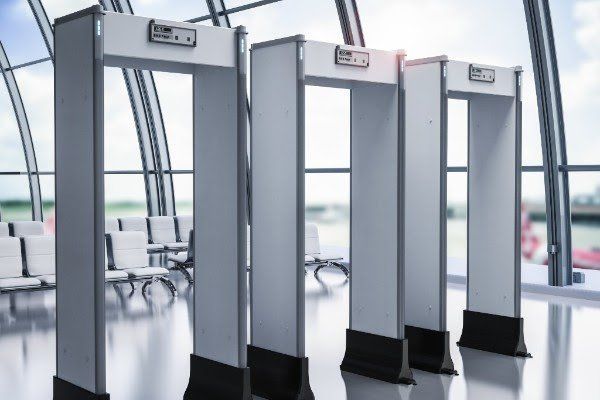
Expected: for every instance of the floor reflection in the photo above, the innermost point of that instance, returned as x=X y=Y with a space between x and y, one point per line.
x=492 y=376
x=361 y=388
x=149 y=340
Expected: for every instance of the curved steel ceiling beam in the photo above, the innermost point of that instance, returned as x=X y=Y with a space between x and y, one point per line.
x=350 y=22
x=547 y=83
x=39 y=13
x=25 y=131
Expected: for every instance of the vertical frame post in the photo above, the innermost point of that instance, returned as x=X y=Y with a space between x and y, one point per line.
x=219 y=361
x=79 y=135
x=426 y=198
x=552 y=130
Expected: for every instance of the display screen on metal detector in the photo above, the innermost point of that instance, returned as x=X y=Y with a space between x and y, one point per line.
x=351 y=57
x=171 y=34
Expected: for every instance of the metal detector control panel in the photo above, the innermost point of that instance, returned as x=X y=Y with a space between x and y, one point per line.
x=172 y=35
x=477 y=73
x=351 y=57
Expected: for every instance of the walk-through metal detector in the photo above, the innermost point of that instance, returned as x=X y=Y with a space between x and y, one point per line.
x=375 y=346
x=85 y=43
x=492 y=320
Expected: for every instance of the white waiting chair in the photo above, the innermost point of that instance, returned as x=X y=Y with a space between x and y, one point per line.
x=183 y=225
x=39 y=260
x=11 y=267
x=26 y=228
x=313 y=255
x=111 y=225
x=185 y=259
x=139 y=224
x=127 y=253
x=4 y=232
x=162 y=231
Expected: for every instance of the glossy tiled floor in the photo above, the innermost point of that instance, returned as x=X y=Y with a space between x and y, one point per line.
x=149 y=341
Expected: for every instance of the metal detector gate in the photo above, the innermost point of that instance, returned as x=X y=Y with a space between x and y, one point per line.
x=375 y=341
x=85 y=43
x=492 y=320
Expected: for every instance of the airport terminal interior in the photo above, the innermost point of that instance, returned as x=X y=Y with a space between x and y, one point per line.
x=299 y=199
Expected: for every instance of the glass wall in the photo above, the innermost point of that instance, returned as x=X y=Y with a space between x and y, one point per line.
x=425 y=28
x=577 y=39
x=15 y=198
x=482 y=32
x=585 y=220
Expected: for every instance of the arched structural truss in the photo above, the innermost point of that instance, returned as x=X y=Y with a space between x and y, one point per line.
x=547 y=82
x=350 y=22
x=23 y=124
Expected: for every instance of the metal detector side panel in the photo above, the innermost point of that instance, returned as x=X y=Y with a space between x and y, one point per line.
x=213 y=45
x=321 y=68
x=220 y=218
x=458 y=80
x=425 y=197
x=376 y=285
x=277 y=176
x=79 y=167
x=493 y=265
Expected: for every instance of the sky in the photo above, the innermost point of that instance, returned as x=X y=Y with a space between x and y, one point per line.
x=483 y=31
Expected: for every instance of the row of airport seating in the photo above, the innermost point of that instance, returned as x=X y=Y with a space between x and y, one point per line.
x=28 y=260
x=21 y=228
x=162 y=234
x=27 y=257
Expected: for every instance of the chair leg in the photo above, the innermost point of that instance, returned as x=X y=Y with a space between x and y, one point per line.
x=167 y=282
x=319 y=267
x=342 y=267
x=185 y=273
x=146 y=284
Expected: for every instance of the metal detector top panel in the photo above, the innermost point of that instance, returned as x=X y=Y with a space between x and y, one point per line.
x=214 y=46
x=462 y=81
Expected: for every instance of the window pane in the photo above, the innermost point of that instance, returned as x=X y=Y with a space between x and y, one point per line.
x=121 y=146
x=317 y=19
x=328 y=206
x=175 y=94
x=585 y=217
x=576 y=33
x=184 y=193
x=36 y=84
x=457 y=215
x=15 y=200
x=125 y=195
x=533 y=219
x=458 y=132
x=179 y=10
x=47 y=188
x=11 y=147
x=19 y=32
x=491 y=32
x=327 y=127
